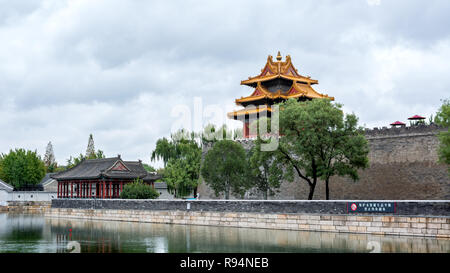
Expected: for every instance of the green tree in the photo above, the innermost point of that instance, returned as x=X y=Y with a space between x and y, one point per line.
x=265 y=173
x=443 y=119
x=148 y=168
x=164 y=150
x=21 y=168
x=90 y=150
x=181 y=156
x=211 y=134
x=183 y=168
x=90 y=154
x=138 y=190
x=225 y=168
x=49 y=159
x=318 y=142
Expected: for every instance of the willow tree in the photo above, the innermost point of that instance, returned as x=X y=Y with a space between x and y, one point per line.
x=164 y=150
x=318 y=142
x=181 y=156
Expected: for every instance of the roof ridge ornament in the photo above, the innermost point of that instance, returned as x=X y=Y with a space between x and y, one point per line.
x=279 y=56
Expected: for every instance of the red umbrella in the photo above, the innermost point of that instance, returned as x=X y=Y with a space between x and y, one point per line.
x=397 y=123
x=416 y=117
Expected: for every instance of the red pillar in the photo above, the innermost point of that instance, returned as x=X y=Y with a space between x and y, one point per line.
x=103 y=189
x=58 y=190
x=110 y=189
x=246 y=130
x=90 y=189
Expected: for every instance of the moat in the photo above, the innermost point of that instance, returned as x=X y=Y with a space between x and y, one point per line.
x=34 y=233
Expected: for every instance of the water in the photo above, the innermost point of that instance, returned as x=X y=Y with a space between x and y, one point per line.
x=36 y=233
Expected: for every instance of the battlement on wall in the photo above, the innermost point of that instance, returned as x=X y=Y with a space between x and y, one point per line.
x=403 y=131
x=375 y=133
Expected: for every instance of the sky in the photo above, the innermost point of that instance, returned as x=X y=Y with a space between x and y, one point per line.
x=124 y=71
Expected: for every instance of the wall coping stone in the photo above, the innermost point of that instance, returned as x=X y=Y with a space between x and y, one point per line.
x=333 y=207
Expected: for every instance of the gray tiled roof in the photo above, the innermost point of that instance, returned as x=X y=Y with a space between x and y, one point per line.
x=101 y=168
x=5 y=186
x=46 y=178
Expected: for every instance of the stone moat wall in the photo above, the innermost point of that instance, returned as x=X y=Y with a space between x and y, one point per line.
x=412 y=218
x=402 y=166
x=26 y=206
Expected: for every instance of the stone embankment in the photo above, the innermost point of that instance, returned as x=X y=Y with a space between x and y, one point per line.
x=26 y=206
x=413 y=218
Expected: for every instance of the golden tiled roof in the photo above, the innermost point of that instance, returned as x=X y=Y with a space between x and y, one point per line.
x=273 y=70
x=297 y=90
x=243 y=112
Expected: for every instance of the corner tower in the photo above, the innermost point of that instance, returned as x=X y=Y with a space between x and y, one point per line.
x=277 y=82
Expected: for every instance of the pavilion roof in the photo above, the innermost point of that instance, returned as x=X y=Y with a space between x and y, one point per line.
x=114 y=168
x=297 y=90
x=278 y=69
x=243 y=112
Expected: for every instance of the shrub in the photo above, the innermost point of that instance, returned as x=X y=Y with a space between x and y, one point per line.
x=138 y=190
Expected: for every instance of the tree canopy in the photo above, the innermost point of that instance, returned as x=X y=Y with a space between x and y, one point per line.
x=138 y=190
x=224 y=169
x=265 y=173
x=21 y=168
x=49 y=158
x=90 y=154
x=319 y=142
x=182 y=157
x=443 y=119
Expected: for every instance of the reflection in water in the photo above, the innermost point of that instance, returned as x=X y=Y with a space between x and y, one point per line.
x=36 y=233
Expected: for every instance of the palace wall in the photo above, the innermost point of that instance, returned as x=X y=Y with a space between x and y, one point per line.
x=403 y=166
x=412 y=218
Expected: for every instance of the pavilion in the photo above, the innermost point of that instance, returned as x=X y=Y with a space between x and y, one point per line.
x=277 y=82
x=101 y=178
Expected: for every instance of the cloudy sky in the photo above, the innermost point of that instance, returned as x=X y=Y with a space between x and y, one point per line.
x=121 y=70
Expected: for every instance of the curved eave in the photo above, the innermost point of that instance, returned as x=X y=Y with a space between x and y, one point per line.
x=300 y=90
x=257 y=79
x=250 y=98
x=245 y=112
x=309 y=96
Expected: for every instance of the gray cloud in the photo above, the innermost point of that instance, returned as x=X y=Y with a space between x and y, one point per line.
x=116 y=68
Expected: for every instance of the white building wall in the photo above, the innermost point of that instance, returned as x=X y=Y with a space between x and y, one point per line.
x=4 y=196
x=32 y=196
